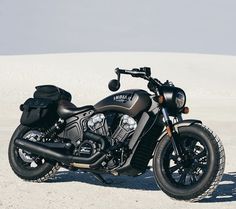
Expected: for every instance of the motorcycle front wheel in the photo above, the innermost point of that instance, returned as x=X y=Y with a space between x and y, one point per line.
x=197 y=172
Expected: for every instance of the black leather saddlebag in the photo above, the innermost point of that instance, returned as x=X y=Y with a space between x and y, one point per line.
x=38 y=112
x=52 y=92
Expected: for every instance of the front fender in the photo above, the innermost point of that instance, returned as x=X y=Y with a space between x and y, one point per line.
x=183 y=123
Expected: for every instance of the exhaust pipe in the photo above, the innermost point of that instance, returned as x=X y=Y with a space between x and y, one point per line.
x=56 y=154
x=91 y=166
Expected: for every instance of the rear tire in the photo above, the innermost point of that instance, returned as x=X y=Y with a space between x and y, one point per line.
x=198 y=175
x=22 y=165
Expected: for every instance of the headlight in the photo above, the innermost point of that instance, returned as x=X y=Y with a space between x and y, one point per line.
x=180 y=100
x=175 y=99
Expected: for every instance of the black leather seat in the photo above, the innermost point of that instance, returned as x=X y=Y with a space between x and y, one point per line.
x=66 y=109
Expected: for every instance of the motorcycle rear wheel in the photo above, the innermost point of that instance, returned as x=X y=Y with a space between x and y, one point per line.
x=200 y=169
x=25 y=165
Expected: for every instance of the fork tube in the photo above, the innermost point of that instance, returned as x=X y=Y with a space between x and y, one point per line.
x=168 y=125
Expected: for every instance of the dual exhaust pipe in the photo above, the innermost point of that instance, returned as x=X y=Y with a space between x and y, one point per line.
x=58 y=153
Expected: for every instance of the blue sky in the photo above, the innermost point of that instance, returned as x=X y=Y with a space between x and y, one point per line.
x=61 y=26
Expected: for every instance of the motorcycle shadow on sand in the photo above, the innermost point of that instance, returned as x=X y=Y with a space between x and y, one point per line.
x=143 y=182
x=225 y=192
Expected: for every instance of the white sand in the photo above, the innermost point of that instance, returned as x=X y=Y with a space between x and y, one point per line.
x=209 y=81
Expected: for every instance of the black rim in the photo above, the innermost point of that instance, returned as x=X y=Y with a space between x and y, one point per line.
x=193 y=165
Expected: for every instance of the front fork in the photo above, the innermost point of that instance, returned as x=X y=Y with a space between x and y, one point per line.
x=169 y=130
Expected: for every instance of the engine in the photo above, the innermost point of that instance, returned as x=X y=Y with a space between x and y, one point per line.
x=126 y=126
x=117 y=128
x=98 y=124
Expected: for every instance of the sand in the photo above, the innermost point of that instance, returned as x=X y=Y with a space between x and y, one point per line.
x=209 y=82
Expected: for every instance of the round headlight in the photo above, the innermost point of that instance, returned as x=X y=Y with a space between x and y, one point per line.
x=180 y=100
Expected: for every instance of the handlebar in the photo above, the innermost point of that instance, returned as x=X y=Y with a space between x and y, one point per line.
x=142 y=72
x=145 y=73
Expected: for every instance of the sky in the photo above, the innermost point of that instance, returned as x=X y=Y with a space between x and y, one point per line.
x=65 y=26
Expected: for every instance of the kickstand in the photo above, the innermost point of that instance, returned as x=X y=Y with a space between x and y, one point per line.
x=101 y=179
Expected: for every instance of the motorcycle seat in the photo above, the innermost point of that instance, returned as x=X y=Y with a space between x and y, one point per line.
x=67 y=109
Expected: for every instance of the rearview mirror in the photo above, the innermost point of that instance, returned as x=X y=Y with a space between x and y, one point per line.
x=114 y=85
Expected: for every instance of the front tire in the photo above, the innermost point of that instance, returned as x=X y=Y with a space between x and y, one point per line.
x=200 y=169
x=24 y=164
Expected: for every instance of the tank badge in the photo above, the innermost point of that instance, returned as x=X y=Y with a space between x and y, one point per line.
x=123 y=98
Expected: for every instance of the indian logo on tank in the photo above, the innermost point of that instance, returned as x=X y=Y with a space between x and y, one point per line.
x=123 y=98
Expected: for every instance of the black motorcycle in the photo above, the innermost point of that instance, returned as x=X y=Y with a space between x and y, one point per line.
x=119 y=135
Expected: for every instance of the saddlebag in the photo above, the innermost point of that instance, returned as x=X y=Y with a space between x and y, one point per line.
x=38 y=112
x=52 y=92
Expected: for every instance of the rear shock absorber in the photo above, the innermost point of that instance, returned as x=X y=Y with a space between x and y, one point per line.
x=51 y=132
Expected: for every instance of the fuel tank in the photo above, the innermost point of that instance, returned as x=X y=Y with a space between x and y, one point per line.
x=130 y=102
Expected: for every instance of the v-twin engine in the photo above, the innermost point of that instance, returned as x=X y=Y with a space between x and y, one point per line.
x=127 y=125
x=98 y=124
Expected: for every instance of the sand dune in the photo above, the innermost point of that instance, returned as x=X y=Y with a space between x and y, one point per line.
x=209 y=81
